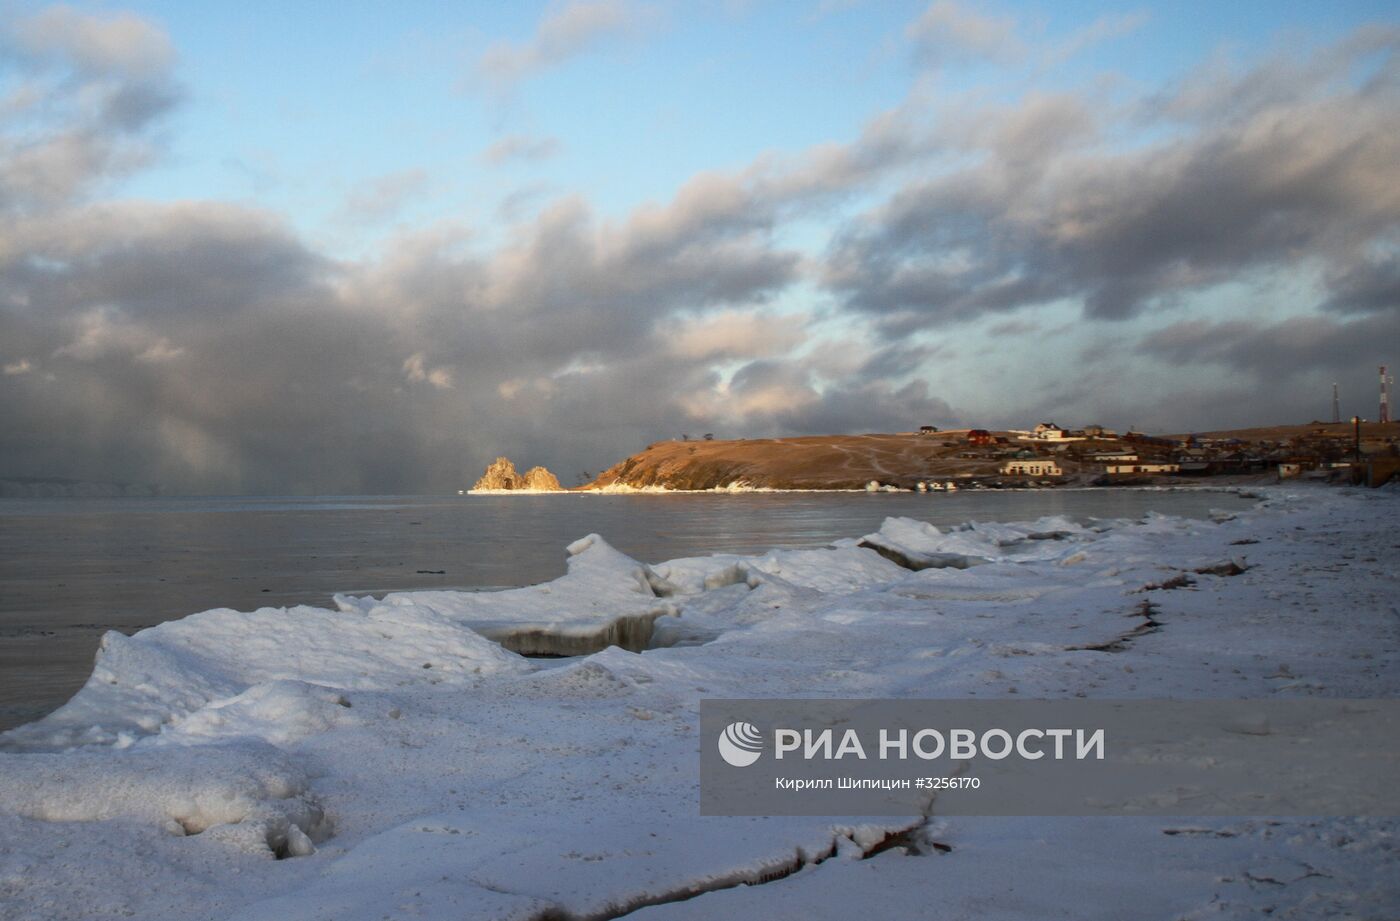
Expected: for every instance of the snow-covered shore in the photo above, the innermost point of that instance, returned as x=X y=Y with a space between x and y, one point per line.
x=410 y=765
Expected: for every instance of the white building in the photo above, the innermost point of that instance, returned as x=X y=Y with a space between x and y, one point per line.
x=1031 y=468
x=1047 y=431
x=1143 y=468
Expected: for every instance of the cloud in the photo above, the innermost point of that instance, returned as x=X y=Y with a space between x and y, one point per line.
x=416 y=371
x=948 y=33
x=104 y=330
x=520 y=203
x=567 y=30
x=1277 y=351
x=93 y=87
x=1244 y=181
x=210 y=347
x=521 y=147
x=98 y=45
x=385 y=196
x=732 y=334
x=206 y=347
x=774 y=397
x=1105 y=28
x=148 y=259
x=1368 y=283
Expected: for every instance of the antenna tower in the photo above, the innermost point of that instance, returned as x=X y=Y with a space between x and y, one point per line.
x=1386 y=381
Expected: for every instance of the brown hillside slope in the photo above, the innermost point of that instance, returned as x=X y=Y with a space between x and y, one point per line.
x=1370 y=431
x=814 y=462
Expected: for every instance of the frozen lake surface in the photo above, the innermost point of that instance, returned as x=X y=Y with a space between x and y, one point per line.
x=72 y=569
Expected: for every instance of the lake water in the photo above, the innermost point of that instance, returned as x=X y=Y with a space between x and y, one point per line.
x=71 y=569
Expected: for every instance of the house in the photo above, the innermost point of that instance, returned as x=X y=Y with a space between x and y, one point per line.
x=928 y=430
x=1097 y=431
x=1049 y=431
x=1031 y=468
x=1114 y=457
x=979 y=437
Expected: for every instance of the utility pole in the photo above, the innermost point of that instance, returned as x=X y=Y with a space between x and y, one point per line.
x=1336 y=404
x=1386 y=381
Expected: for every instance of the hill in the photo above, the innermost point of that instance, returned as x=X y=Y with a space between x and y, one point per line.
x=812 y=462
x=1370 y=432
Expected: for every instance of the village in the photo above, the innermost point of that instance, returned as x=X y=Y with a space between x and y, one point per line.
x=1354 y=452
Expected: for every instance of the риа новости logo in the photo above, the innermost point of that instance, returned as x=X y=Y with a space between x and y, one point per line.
x=741 y=744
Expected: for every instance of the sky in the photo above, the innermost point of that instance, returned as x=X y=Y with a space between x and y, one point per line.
x=359 y=247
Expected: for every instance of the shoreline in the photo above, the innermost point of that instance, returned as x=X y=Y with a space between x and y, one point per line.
x=48 y=635
x=412 y=761
x=760 y=490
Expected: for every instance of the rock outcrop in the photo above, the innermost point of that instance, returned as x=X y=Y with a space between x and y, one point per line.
x=502 y=475
x=540 y=478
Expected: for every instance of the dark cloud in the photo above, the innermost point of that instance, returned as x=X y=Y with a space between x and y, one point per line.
x=189 y=261
x=1273 y=371
x=1368 y=285
x=1278 y=351
x=207 y=348
x=1254 y=174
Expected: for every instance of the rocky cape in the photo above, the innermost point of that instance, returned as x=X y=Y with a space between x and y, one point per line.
x=853 y=462
x=501 y=476
x=823 y=462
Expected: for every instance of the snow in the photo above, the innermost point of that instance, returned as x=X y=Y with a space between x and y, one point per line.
x=251 y=792
x=489 y=785
x=162 y=676
x=604 y=599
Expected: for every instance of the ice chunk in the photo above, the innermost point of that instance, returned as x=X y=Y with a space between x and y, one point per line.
x=839 y=570
x=158 y=676
x=693 y=575
x=919 y=545
x=605 y=599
